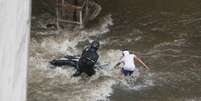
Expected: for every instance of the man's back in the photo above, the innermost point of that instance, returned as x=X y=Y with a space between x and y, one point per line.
x=128 y=60
x=88 y=60
x=89 y=57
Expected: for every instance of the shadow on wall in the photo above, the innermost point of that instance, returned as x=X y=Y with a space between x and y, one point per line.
x=43 y=6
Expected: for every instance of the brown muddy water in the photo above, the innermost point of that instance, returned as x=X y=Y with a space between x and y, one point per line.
x=166 y=34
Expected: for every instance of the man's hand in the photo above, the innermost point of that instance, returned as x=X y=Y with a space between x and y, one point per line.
x=117 y=65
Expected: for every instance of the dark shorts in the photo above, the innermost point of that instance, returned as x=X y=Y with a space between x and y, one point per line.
x=126 y=72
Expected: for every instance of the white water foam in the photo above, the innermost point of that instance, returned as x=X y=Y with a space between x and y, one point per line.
x=101 y=28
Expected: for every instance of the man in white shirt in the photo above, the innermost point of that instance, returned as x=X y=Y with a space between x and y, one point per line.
x=129 y=63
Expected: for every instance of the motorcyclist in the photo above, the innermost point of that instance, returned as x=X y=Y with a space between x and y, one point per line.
x=88 y=60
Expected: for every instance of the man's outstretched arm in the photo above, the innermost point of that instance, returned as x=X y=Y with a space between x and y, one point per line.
x=138 y=59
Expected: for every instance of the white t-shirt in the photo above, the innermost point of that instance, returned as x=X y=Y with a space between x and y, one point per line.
x=128 y=61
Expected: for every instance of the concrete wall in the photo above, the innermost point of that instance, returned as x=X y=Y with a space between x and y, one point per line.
x=14 y=37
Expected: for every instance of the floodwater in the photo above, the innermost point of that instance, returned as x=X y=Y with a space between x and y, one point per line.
x=166 y=34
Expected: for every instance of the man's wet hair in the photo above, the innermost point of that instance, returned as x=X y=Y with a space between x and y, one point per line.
x=125 y=49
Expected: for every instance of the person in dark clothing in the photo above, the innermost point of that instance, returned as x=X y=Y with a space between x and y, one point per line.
x=88 y=60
